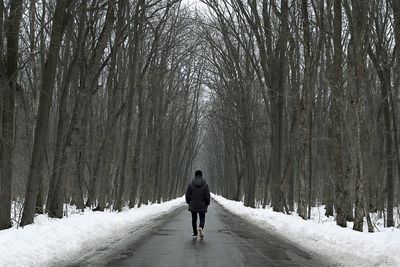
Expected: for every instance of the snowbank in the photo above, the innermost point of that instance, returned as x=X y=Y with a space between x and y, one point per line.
x=342 y=245
x=49 y=241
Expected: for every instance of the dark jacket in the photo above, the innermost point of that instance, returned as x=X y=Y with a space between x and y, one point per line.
x=198 y=195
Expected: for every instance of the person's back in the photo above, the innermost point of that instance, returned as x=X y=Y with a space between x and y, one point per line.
x=198 y=197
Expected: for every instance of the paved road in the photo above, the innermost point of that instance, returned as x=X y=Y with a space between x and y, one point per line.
x=229 y=241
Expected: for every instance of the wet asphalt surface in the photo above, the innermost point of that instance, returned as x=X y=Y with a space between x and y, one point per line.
x=229 y=241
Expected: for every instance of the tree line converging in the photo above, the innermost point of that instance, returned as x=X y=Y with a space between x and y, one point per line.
x=107 y=103
x=100 y=104
x=305 y=98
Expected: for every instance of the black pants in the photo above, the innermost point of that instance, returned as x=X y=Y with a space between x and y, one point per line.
x=194 y=221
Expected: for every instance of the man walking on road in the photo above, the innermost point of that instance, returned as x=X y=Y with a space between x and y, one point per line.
x=198 y=197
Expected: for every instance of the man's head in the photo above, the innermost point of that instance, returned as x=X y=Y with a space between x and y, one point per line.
x=198 y=173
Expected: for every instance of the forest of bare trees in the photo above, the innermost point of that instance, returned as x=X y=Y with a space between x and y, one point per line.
x=305 y=98
x=100 y=104
x=288 y=103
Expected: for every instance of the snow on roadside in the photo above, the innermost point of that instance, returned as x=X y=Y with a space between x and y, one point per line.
x=340 y=245
x=49 y=241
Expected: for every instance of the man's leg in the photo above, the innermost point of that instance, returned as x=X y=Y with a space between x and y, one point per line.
x=194 y=222
x=202 y=219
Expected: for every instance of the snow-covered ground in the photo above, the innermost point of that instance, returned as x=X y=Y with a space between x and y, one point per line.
x=54 y=241
x=321 y=236
x=51 y=241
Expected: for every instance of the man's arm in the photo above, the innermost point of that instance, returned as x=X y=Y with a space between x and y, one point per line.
x=207 y=195
x=188 y=194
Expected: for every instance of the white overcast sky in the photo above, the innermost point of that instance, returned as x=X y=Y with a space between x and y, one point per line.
x=193 y=3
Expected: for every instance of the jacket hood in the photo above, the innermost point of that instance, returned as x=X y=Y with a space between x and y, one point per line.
x=198 y=181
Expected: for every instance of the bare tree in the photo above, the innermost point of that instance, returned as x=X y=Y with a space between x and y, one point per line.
x=46 y=92
x=8 y=79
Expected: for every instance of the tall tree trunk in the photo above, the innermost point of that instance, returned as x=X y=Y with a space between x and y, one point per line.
x=277 y=98
x=396 y=15
x=8 y=78
x=336 y=117
x=106 y=149
x=2 y=9
x=133 y=63
x=247 y=139
x=360 y=183
x=304 y=109
x=359 y=46
x=385 y=80
x=46 y=93
x=54 y=204
x=388 y=151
